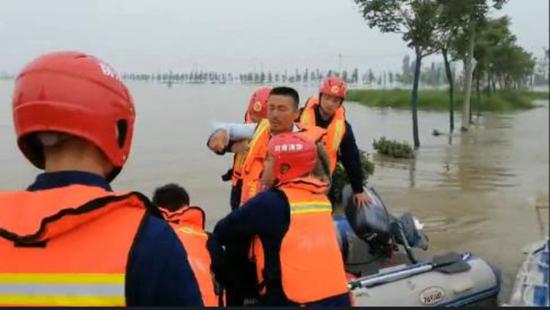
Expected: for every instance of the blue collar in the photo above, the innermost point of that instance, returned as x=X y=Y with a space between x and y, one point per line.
x=49 y=180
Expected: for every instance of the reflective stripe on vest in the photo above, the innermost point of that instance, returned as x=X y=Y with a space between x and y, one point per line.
x=335 y=130
x=310 y=207
x=77 y=289
x=79 y=237
x=311 y=264
x=254 y=162
x=257 y=251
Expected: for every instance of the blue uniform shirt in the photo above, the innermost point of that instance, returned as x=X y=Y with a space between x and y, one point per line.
x=158 y=272
x=267 y=215
x=349 y=154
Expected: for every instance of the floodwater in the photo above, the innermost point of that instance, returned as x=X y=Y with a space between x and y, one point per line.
x=476 y=191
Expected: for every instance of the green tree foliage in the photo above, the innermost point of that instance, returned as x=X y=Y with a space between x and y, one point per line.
x=469 y=17
x=500 y=58
x=417 y=21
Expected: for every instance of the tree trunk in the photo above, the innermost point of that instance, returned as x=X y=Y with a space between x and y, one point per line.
x=501 y=82
x=468 y=70
x=489 y=79
x=450 y=80
x=478 y=94
x=414 y=99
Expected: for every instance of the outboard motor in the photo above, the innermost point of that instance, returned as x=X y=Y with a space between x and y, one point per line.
x=374 y=225
x=385 y=275
x=407 y=232
x=371 y=223
x=358 y=255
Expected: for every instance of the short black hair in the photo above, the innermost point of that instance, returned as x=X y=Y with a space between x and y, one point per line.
x=287 y=91
x=171 y=197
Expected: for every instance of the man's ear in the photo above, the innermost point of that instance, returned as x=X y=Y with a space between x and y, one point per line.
x=296 y=114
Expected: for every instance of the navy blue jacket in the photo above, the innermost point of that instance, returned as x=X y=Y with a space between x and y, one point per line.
x=158 y=272
x=349 y=154
x=267 y=215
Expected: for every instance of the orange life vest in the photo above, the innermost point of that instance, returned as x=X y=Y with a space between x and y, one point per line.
x=238 y=161
x=239 y=158
x=257 y=153
x=188 y=223
x=335 y=130
x=254 y=162
x=50 y=240
x=188 y=216
x=311 y=264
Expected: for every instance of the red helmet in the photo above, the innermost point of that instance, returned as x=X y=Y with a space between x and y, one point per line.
x=334 y=86
x=294 y=154
x=258 y=102
x=76 y=94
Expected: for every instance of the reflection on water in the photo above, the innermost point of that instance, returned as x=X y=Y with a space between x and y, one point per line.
x=475 y=191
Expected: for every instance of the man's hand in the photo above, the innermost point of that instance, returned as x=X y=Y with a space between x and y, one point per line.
x=240 y=147
x=361 y=199
x=218 y=141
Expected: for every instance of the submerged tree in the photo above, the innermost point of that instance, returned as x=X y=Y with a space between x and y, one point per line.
x=416 y=21
x=449 y=24
x=470 y=18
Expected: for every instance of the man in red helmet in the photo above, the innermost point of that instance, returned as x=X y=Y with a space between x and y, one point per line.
x=282 y=112
x=256 y=111
x=298 y=261
x=328 y=112
x=282 y=109
x=69 y=240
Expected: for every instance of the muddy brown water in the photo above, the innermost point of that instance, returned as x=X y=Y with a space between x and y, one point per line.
x=475 y=191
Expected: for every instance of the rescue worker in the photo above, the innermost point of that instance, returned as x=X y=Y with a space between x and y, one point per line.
x=282 y=111
x=327 y=111
x=189 y=222
x=283 y=103
x=256 y=111
x=298 y=260
x=68 y=239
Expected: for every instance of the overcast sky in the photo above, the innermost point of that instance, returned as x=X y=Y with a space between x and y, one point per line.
x=223 y=35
